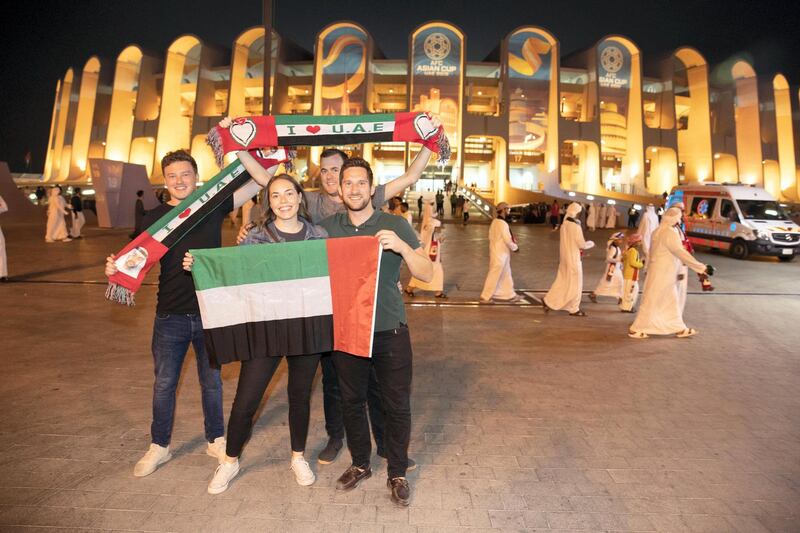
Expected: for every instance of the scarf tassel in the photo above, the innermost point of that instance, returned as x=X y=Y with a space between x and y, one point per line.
x=443 y=145
x=119 y=294
x=214 y=140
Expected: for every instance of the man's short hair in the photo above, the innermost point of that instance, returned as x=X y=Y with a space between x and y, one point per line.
x=140 y=193
x=178 y=155
x=330 y=152
x=356 y=162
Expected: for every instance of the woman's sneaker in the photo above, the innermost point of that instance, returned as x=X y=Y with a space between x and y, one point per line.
x=216 y=449
x=302 y=472
x=223 y=475
x=155 y=456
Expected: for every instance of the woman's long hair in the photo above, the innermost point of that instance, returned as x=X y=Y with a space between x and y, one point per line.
x=268 y=215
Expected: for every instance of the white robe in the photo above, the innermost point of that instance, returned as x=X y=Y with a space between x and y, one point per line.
x=614 y=287
x=601 y=216
x=78 y=221
x=591 y=217
x=565 y=293
x=427 y=227
x=3 y=258
x=56 y=209
x=499 y=283
x=611 y=217
x=647 y=226
x=660 y=312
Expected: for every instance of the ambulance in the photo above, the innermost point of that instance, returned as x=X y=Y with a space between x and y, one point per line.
x=740 y=219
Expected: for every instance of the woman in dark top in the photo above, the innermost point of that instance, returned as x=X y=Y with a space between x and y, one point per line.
x=285 y=220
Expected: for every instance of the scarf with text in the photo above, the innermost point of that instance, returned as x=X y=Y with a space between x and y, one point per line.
x=246 y=133
x=136 y=259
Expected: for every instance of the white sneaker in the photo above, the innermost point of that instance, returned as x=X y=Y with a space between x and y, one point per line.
x=223 y=475
x=216 y=449
x=302 y=472
x=156 y=455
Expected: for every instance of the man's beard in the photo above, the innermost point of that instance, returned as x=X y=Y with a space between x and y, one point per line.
x=353 y=206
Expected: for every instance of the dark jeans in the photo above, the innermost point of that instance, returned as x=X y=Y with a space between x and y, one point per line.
x=332 y=396
x=254 y=377
x=172 y=335
x=392 y=362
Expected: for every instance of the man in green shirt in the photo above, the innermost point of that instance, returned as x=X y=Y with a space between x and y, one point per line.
x=391 y=352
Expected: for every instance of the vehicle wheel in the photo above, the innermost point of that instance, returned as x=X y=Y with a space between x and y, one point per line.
x=738 y=249
x=785 y=258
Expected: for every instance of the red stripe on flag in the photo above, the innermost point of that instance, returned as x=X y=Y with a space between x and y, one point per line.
x=353 y=264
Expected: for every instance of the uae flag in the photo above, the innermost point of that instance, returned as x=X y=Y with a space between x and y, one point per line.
x=292 y=298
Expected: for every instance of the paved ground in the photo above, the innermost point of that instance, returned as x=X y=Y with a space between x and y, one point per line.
x=521 y=421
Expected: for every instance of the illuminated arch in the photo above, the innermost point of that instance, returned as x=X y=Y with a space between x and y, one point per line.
x=440 y=93
x=48 y=160
x=178 y=96
x=785 y=134
x=247 y=72
x=124 y=98
x=90 y=80
x=692 y=115
x=621 y=144
x=748 y=130
x=65 y=120
x=342 y=54
x=530 y=67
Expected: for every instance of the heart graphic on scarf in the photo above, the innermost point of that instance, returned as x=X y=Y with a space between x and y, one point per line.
x=312 y=129
x=243 y=132
x=185 y=213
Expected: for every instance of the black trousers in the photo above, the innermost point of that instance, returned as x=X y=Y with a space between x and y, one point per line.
x=332 y=402
x=254 y=377
x=392 y=362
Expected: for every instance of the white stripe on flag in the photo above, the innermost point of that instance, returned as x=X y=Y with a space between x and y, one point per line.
x=289 y=130
x=263 y=302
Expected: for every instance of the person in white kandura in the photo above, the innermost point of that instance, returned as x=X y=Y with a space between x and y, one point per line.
x=430 y=237
x=611 y=281
x=56 y=209
x=565 y=293
x=591 y=217
x=660 y=312
x=647 y=226
x=499 y=284
x=611 y=217
x=601 y=216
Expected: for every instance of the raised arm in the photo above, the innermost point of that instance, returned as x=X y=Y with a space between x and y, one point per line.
x=260 y=175
x=415 y=170
x=412 y=175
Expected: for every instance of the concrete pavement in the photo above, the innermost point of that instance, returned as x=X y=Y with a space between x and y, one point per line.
x=521 y=421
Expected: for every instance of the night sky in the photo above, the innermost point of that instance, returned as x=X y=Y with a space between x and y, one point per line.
x=41 y=39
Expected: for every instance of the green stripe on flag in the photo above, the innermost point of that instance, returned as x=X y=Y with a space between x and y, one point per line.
x=259 y=263
x=290 y=120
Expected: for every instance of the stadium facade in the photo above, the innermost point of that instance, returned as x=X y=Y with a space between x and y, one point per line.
x=527 y=120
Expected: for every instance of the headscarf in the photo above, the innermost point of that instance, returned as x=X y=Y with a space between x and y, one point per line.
x=573 y=209
x=672 y=217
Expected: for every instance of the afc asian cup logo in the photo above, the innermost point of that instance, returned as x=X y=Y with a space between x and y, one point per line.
x=612 y=59
x=437 y=46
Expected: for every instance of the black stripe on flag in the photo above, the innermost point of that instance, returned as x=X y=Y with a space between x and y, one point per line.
x=274 y=338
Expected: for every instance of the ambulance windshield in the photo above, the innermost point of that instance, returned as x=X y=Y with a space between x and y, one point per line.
x=762 y=210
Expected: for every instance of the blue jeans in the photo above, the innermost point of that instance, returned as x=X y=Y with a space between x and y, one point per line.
x=172 y=335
